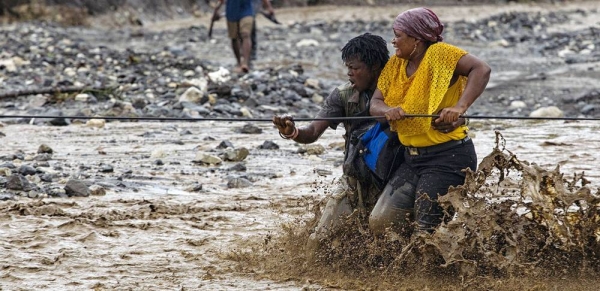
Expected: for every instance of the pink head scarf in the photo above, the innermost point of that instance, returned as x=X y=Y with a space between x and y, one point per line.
x=420 y=23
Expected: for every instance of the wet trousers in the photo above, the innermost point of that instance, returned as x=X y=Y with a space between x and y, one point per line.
x=413 y=191
x=345 y=198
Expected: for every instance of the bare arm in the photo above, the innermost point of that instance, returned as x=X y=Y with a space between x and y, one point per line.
x=306 y=134
x=379 y=108
x=478 y=73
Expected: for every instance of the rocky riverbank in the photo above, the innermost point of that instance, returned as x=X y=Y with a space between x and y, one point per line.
x=81 y=191
x=538 y=59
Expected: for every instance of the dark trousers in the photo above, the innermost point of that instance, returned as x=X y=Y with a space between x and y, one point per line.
x=419 y=182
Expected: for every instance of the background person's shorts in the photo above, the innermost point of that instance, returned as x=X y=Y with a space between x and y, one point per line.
x=237 y=29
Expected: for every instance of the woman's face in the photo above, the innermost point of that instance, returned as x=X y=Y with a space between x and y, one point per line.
x=403 y=44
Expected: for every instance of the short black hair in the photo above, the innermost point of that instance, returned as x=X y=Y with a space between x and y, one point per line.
x=369 y=48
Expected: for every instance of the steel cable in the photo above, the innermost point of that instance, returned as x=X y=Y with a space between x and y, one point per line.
x=224 y=119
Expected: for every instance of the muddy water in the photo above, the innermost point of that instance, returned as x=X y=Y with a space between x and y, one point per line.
x=155 y=235
x=150 y=233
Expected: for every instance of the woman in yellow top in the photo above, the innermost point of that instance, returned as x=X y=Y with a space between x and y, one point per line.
x=425 y=76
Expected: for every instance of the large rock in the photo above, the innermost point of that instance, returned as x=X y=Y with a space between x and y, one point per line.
x=19 y=182
x=192 y=95
x=77 y=188
x=550 y=112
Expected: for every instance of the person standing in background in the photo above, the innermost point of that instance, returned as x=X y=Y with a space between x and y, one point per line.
x=256 y=4
x=269 y=14
x=240 y=20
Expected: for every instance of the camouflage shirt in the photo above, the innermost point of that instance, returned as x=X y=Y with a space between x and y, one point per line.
x=345 y=101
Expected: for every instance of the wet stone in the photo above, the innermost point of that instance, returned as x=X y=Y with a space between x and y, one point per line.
x=7 y=196
x=194 y=188
x=251 y=102
x=104 y=168
x=139 y=103
x=19 y=182
x=236 y=155
x=47 y=178
x=8 y=165
x=84 y=97
x=43 y=164
x=238 y=182
x=77 y=188
x=84 y=167
x=17 y=156
x=185 y=132
x=57 y=192
x=225 y=144
x=240 y=94
x=250 y=129
x=177 y=142
x=291 y=96
x=43 y=157
x=323 y=172
x=227 y=109
x=192 y=95
x=191 y=106
x=311 y=149
x=97 y=190
x=202 y=158
x=589 y=108
x=5 y=172
x=550 y=111
x=33 y=194
x=58 y=121
x=239 y=167
x=300 y=90
x=26 y=170
x=83 y=175
x=157 y=111
x=269 y=145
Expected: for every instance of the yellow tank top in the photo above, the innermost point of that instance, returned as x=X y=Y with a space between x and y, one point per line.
x=427 y=91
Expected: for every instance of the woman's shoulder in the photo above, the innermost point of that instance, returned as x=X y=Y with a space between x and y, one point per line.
x=395 y=59
x=394 y=62
x=443 y=47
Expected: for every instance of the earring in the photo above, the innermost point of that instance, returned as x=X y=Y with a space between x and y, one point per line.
x=413 y=51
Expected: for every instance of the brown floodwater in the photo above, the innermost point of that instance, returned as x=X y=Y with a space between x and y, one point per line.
x=151 y=232
x=156 y=235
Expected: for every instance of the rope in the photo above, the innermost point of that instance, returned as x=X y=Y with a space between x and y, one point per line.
x=295 y=119
x=185 y=118
x=510 y=117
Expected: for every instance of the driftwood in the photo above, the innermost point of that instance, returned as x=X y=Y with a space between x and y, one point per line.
x=54 y=90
